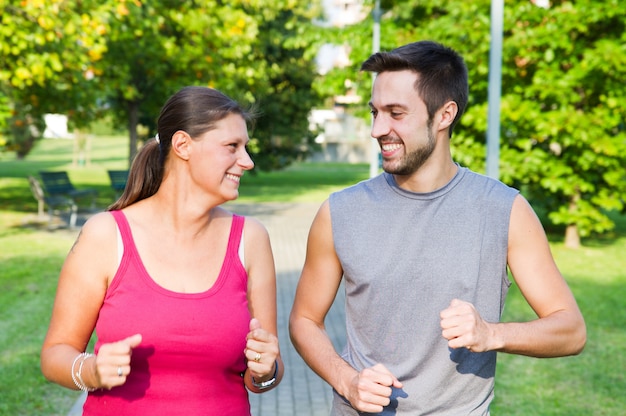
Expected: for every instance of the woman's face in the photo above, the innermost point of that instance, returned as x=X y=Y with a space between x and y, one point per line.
x=219 y=157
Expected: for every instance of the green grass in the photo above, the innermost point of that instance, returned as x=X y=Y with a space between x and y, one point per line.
x=30 y=261
x=592 y=383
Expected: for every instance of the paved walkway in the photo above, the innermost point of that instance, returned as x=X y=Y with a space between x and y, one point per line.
x=301 y=391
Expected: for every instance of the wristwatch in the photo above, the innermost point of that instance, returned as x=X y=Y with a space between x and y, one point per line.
x=267 y=383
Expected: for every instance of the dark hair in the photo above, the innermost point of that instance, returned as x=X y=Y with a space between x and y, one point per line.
x=442 y=73
x=194 y=110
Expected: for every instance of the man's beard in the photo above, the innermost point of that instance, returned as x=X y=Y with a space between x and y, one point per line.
x=411 y=162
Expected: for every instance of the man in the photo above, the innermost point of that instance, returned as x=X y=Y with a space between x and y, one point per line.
x=423 y=250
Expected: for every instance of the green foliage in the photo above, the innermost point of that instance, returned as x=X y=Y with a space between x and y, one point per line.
x=285 y=97
x=24 y=129
x=48 y=50
x=257 y=52
x=84 y=58
x=564 y=130
x=563 y=122
x=5 y=114
x=46 y=41
x=563 y=138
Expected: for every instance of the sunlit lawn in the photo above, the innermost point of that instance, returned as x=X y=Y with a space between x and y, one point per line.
x=594 y=382
x=31 y=255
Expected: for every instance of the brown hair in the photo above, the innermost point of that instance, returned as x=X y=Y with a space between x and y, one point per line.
x=442 y=73
x=194 y=110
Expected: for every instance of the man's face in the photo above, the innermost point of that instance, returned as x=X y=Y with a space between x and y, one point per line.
x=400 y=123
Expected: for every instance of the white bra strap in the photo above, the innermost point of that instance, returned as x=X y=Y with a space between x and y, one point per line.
x=120 y=245
x=241 y=250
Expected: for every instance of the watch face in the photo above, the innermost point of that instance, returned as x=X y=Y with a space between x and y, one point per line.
x=267 y=383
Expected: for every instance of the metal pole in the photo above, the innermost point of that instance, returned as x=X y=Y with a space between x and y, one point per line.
x=495 y=89
x=375 y=48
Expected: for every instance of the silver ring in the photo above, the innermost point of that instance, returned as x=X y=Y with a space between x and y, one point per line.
x=257 y=357
x=119 y=371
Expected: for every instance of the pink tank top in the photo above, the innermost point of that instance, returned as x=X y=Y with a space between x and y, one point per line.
x=191 y=360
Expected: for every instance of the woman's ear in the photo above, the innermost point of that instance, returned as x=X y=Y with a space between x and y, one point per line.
x=180 y=144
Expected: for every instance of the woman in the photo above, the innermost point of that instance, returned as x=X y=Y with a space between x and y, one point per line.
x=180 y=291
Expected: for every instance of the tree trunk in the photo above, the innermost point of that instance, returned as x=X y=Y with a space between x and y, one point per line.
x=133 y=121
x=572 y=236
x=82 y=148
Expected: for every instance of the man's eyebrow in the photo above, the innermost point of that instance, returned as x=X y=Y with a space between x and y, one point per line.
x=390 y=106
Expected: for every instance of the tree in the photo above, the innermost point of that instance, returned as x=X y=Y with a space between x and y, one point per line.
x=124 y=58
x=564 y=124
x=285 y=54
x=242 y=48
x=47 y=50
x=563 y=128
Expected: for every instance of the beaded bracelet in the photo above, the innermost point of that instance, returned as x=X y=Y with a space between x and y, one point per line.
x=77 y=376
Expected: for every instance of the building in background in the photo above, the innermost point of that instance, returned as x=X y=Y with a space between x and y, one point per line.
x=342 y=137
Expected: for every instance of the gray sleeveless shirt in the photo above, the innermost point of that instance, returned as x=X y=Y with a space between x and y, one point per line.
x=405 y=256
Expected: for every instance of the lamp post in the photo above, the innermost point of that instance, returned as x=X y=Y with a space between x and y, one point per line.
x=375 y=48
x=495 y=89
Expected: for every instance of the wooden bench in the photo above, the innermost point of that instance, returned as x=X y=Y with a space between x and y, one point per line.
x=118 y=181
x=53 y=203
x=58 y=184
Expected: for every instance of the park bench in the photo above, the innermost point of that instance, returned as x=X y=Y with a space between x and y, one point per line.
x=118 y=181
x=54 y=203
x=58 y=184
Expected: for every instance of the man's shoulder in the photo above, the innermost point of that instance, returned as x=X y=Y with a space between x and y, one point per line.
x=486 y=182
x=362 y=187
x=355 y=197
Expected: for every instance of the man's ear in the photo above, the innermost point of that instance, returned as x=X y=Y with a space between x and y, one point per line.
x=447 y=113
x=180 y=144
